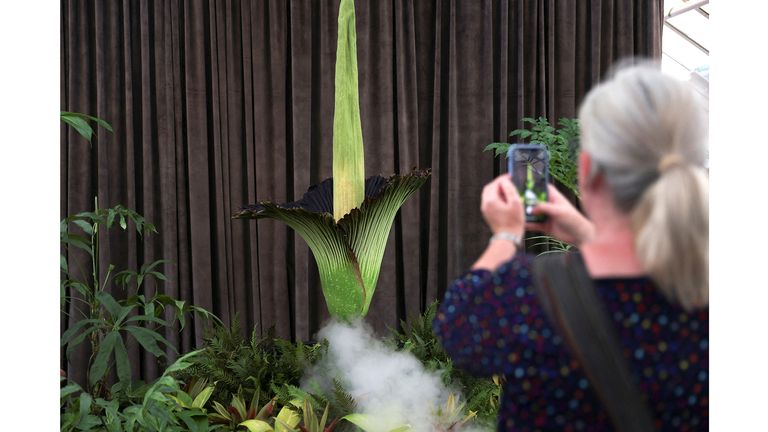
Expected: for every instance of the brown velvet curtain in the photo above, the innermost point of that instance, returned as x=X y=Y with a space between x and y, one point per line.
x=221 y=103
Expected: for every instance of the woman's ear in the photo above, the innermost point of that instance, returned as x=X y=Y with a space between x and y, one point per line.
x=585 y=167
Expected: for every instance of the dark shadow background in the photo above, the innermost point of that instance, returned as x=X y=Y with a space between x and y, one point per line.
x=217 y=104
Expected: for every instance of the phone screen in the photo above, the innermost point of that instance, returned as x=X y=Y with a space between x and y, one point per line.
x=529 y=168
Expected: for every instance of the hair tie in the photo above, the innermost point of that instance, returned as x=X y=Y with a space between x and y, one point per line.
x=670 y=161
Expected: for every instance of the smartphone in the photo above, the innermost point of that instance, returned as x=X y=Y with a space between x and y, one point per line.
x=529 y=169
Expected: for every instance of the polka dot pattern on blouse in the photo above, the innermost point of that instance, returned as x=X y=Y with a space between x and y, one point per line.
x=492 y=323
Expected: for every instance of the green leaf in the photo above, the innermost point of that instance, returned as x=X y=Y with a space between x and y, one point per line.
x=81 y=337
x=196 y=421
x=289 y=418
x=123 y=224
x=256 y=426
x=99 y=366
x=239 y=405
x=85 y=404
x=85 y=226
x=111 y=305
x=147 y=318
x=182 y=362
x=203 y=397
x=69 y=389
x=148 y=339
x=77 y=241
x=81 y=126
x=110 y=217
x=64 y=266
x=100 y=122
x=73 y=329
x=122 y=362
x=348 y=151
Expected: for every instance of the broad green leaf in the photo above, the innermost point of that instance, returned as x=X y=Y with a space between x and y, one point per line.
x=77 y=241
x=69 y=389
x=147 y=318
x=196 y=421
x=122 y=362
x=221 y=409
x=111 y=305
x=64 y=266
x=81 y=337
x=181 y=363
x=100 y=122
x=81 y=126
x=110 y=217
x=85 y=404
x=256 y=426
x=148 y=339
x=99 y=366
x=239 y=405
x=123 y=224
x=73 y=329
x=202 y=397
x=85 y=226
x=348 y=158
x=368 y=423
x=289 y=417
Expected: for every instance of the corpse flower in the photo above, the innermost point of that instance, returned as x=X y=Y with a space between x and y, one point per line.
x=346 y=219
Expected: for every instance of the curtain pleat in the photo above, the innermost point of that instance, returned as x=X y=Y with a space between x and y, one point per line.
x=217 y=104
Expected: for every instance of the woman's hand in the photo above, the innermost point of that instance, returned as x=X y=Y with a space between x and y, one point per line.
x=502 y=211
x=501 y=206
x=563 y=222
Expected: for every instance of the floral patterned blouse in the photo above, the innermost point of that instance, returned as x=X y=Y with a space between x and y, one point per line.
x=492 y=323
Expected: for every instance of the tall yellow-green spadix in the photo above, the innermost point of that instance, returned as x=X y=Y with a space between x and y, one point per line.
x=348 y=160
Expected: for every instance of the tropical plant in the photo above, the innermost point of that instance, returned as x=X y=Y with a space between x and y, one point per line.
x=158 y=409
x=238 y=412
x=247 y=366
x=105 y=321
x=560 y=142
x=346 y=220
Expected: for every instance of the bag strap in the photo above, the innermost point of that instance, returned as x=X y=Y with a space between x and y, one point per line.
x=568 y=296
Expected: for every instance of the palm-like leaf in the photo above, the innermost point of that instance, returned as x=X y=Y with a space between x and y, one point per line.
x=348 y=252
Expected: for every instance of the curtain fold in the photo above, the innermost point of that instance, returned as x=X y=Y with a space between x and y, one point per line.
x=217 y=104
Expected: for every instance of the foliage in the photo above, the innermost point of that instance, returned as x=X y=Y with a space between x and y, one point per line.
x=157 y=409
x=246 y=366
x=560 y=142
x=106 y=322
x=238 y=412
x=80 y=122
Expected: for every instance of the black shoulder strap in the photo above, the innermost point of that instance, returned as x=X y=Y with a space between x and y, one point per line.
x=568 y=296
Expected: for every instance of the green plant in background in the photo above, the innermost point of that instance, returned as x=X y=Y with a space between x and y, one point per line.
x=157 y=410
x=346 y=220
x=247 y=366
x=105 y=322
x=560 y=142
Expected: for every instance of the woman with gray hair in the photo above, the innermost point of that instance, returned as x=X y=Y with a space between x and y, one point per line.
x=614 y=336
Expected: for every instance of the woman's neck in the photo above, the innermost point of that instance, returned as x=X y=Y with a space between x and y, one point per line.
x=611 y=251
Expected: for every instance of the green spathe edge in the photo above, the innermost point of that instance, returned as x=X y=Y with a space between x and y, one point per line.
x=348 y=252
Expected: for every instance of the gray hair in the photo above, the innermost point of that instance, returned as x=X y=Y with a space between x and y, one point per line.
x=647 y=135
